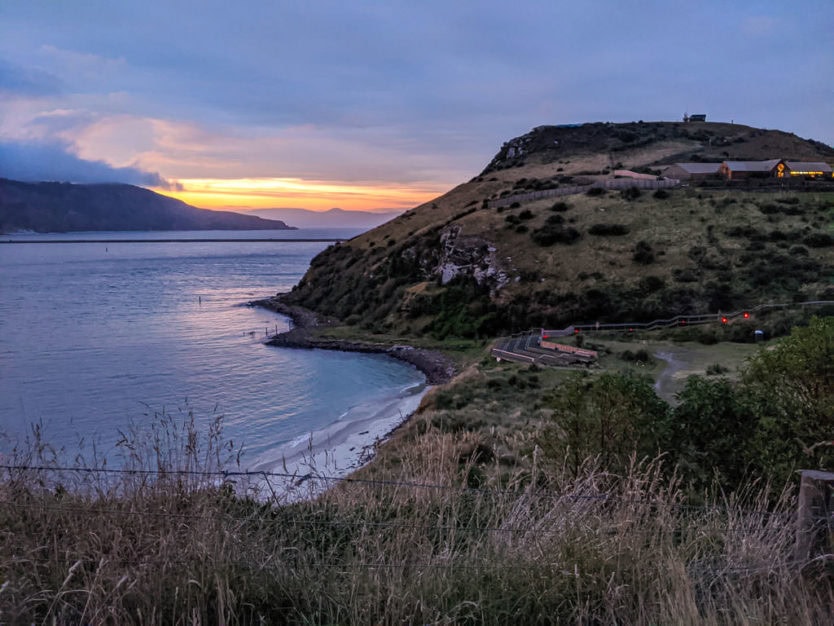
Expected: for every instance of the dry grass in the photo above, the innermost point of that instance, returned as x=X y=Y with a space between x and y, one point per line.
x=419 y=547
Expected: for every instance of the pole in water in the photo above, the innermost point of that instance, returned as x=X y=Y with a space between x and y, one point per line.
x=200 y=299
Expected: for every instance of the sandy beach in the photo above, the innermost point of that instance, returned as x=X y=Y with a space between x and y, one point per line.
x=307 y=465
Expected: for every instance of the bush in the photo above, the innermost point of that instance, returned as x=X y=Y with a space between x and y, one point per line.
x=608 y=230
x=614 y=416
x=560 y=207
x=649 y=284
x=595 y=191
x=550 y=234
x=641 y=357
x=819 y=240
x=660 y=194
x=711 y=430
x=630 y=193
x=643 y=253
x=790 y=390
x=685 y=275
x=716 y=369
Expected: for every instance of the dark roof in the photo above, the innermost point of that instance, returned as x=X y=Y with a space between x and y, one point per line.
x=808 y=166
x=752 y=166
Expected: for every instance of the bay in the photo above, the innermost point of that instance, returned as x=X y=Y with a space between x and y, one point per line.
x=98 y=336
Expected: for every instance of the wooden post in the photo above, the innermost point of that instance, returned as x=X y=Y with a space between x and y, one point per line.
x=813 y=513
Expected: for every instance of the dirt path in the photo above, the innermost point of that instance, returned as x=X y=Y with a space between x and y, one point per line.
x=667 y=384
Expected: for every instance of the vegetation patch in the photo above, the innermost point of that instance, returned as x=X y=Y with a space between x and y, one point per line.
x=608 y=230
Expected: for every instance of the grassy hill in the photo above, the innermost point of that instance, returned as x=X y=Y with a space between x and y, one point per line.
x=66 y=207
x=464 y=265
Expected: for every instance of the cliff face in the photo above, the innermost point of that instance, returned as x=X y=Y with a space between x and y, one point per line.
x=65 y=207
x=503 y=252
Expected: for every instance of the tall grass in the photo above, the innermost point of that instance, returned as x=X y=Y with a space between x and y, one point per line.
x=171 y=539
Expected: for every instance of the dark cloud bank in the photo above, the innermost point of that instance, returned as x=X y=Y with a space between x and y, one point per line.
x=54 y=161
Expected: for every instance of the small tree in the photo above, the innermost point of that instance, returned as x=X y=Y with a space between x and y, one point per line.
x=711 y=429
x=611 y=416
x=791 y=390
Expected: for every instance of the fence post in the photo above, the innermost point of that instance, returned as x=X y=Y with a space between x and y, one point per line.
x=813 y=513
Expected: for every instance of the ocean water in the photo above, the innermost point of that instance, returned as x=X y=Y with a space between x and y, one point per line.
x=98 y=337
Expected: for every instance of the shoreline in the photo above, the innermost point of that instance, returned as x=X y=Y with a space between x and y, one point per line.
x=351 y=442
x=317 y=461
x=437 y=367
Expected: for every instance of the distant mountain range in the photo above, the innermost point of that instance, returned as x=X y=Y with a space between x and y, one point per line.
x=333 y=218
x=66 y=207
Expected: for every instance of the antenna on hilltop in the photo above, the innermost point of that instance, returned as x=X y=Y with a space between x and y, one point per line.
x=686 y=117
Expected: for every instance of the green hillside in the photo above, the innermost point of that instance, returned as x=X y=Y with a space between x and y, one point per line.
x=478 y=262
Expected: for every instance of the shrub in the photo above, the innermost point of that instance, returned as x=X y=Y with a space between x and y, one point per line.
x=660 y=194
x=650 y=284
x=711 y=430
x=526 y=214
x=640 y=356
x=790 y=390
x=595 y=191
x=643 y=253
x=630 y=193
x=716 y=369
x=607 y=230
x=613 y=415
x=560 y=207
x=819 y=240
x=550 y=234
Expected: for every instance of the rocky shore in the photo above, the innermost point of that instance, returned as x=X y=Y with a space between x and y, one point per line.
x=437 y=367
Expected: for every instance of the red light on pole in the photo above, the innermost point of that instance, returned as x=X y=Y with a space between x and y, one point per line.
x=723 y=320
x=575 y=331
x=746 y=315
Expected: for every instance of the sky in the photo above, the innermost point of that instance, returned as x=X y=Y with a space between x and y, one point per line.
x=377 y=105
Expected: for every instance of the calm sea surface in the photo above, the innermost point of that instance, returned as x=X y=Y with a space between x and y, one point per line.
x=97 y=336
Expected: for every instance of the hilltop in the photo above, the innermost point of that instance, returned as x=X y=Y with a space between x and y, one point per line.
x=66 y=207
x=490 y=257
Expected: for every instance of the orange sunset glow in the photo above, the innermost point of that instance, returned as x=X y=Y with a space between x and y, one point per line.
x=264 y=193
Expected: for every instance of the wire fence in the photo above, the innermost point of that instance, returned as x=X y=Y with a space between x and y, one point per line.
x=528 y=491
x=542 y=513
x=507 y=348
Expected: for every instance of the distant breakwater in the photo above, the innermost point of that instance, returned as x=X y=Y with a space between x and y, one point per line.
x=437 y=367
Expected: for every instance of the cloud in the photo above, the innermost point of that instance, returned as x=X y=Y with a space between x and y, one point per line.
x=397 y=91
x=27 y=81
x=54 y=161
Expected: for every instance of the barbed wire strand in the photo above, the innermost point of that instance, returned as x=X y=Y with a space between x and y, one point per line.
x=540 y=493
